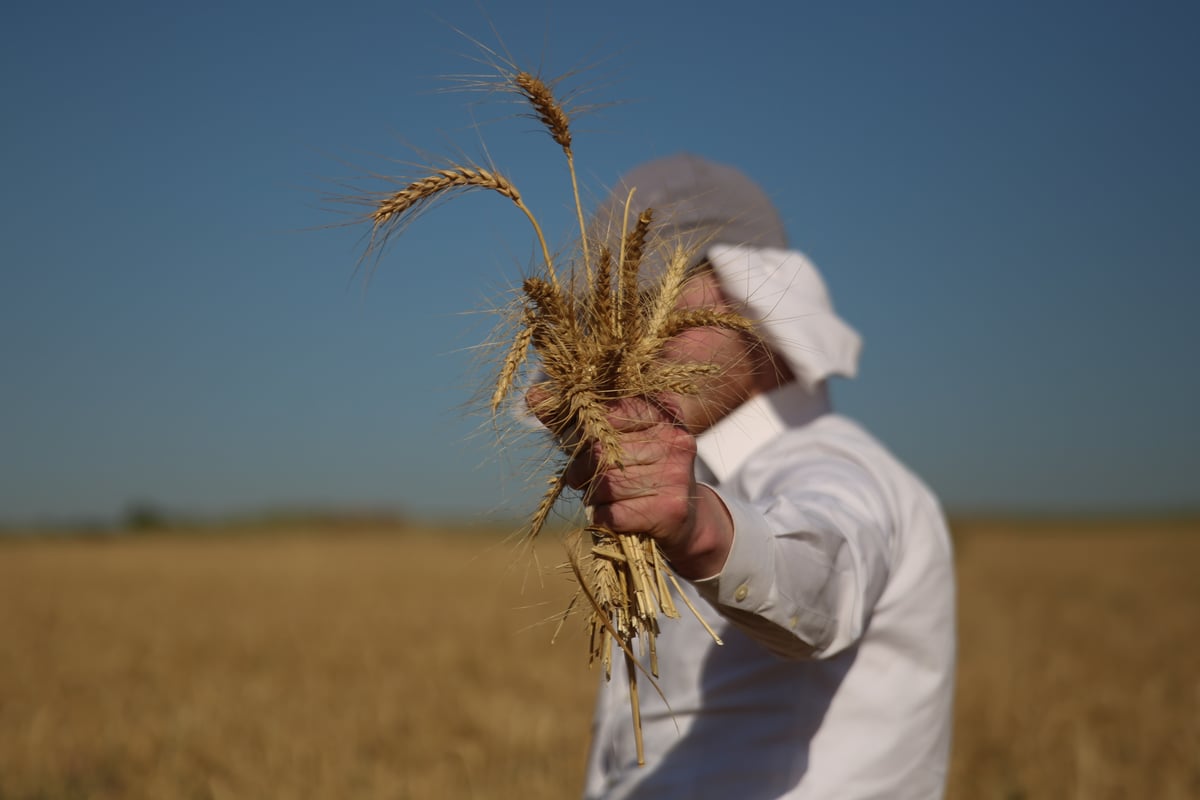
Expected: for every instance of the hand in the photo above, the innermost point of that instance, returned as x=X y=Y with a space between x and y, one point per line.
x=653 y=489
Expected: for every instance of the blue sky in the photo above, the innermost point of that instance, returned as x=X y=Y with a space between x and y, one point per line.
x=1003 y=198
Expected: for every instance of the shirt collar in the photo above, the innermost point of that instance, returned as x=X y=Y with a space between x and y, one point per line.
x=731 y=440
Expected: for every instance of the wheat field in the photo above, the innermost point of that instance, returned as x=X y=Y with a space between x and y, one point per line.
x=313 y=663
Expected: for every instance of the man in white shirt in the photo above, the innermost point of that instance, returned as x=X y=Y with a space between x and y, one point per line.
x=822 y=562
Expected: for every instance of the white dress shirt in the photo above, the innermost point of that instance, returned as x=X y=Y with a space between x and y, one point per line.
x=836 y=606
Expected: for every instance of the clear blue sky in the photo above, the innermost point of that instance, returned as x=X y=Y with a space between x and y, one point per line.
x=1005 y=199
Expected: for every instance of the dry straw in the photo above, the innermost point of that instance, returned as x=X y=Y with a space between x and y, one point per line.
x=597 y=335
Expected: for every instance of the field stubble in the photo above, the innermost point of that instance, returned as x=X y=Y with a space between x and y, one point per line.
x=411 y=665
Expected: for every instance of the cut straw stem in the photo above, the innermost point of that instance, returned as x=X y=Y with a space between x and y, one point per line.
x=692 y=608
x=631 y=668
x=664 y=594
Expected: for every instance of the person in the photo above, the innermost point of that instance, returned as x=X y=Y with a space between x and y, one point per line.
x=823 y=563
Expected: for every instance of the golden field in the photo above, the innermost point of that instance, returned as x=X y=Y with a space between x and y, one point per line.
x=410 y=664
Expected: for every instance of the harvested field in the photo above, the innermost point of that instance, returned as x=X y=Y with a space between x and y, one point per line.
x=408 y=664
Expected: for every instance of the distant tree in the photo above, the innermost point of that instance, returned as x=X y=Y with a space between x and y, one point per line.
x=143 y=516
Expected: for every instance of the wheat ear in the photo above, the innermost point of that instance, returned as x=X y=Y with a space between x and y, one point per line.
x=395 y=210
x=558 y=123
x=518 y=351
x=633 y=247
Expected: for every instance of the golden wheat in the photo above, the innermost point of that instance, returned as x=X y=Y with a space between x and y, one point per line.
x=411 y=197
x=597 y=337
x=393 y=213
x=548 y=111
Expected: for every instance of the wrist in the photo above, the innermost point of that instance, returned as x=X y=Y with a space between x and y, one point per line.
x=704 y=553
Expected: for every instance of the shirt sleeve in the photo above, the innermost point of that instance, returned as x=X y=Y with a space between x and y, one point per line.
x=811 y=555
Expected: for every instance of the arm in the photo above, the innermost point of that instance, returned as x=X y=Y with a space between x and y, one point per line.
x=810 y=558
x=798 y=566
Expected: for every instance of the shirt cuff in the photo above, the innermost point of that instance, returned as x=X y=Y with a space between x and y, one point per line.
x=749 y=586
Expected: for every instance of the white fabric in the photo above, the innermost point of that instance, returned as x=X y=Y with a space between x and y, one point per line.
x=784 y=294
x=836 y=606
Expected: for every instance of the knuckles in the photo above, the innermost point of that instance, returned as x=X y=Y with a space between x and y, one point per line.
x=651 y=490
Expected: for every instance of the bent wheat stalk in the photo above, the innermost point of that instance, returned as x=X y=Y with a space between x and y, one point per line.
x=396 y=210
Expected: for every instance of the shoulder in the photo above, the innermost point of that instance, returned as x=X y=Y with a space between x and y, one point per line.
x=828 y=439
x=834 y=456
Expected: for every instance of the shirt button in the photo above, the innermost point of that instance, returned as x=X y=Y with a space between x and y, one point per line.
x=741 y=593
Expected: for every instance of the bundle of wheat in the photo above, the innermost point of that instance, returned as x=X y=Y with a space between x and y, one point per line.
x=596 y=330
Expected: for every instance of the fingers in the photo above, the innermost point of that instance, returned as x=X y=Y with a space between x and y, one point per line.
x=658 y=500
x=652 y=492
x=645 y=483
x=646 y=447
x=624 y=483
x=626 y=417
x=633 y=414
x=625 y=414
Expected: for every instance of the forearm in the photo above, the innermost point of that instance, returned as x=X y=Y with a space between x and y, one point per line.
x=801 y=582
